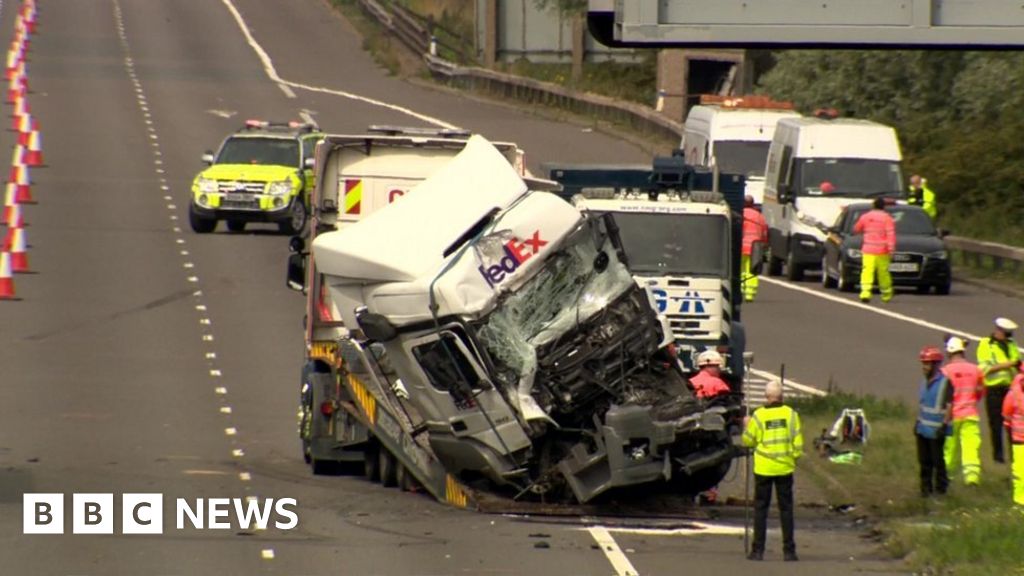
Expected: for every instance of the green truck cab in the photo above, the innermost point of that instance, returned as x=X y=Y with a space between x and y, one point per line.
x=261 y=173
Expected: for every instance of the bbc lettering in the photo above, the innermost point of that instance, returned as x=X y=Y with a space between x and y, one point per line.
x=144 y=513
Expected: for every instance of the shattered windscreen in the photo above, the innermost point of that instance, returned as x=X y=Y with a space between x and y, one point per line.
x=566 y=291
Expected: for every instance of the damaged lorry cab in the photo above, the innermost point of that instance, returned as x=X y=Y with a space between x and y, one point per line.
x=506 y=342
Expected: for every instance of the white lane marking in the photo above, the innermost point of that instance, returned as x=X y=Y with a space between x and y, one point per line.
x=204 y=473
x=238 y=452
x=698 y=529
x=220 y=390
x=287 y=91
x=621 y=564
x=225 y=409
x=268 y=67
x=307 y=116
x=790 y=383
x=231 y=431
x=244 y=476
x=215 y=373
x=267 y=554
x=876 y=310
x=222 y=113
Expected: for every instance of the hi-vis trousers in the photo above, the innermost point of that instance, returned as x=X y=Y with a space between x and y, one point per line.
x=873 y=263
x=1018 y=474
x=965 y=439
x=750 y=281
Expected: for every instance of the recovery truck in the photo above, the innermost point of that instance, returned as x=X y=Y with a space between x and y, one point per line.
x=681 y=228
x=491 y=341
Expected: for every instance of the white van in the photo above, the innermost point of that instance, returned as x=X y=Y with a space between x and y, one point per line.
x=734 y=133
x=816 y=166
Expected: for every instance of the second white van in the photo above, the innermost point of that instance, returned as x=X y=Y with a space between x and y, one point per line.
x=815 y=167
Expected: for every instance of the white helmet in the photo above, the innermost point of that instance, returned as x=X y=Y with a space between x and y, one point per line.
x=709 y=358
x=955 y=345
x=1006 y=325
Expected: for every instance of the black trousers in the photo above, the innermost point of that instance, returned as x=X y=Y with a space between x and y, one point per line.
x=763 y=501
x=933 y=465
x=994 y=396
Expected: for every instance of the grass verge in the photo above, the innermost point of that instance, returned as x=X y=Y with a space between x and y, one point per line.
x=384 y=49
x=971 y=531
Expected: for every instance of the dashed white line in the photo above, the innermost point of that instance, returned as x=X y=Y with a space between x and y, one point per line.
x=230 y=431
x=287 y=91
x=238 y=453
x=244 y=476
x=207 y=337
x=220 y=390
x=225 y=409
x=215 y=373
x=875 y=309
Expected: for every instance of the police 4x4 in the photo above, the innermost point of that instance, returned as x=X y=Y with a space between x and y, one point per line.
x=262 y=173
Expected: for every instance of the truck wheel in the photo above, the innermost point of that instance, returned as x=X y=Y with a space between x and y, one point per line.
x=200 y=224
x=826 y=280
x=388 y=468
x=296 y=218
x=324 y=467
x=371 y=462
x=794 y=271
x=406 y=481
x=774 y=265
x=236 y=225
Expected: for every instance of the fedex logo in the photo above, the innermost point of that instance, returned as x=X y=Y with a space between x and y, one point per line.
x=516 y=252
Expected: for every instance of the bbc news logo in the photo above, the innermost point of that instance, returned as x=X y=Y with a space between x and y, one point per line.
x=144 y=513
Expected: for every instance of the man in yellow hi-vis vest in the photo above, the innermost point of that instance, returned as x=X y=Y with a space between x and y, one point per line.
x=998 y=358
x=774 y=433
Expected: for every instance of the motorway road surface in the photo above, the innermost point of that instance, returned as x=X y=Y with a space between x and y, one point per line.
x=144 y=358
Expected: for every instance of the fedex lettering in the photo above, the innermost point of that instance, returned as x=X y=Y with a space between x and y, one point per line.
x=516 y=253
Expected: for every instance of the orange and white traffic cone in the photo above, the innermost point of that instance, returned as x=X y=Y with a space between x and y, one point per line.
x=23 y=186
x=34 y=154
x=14 y=56
x=13 y=216
x=18 y=155
x=5 y=213
x=26 y=125
x=29 y=17
x=21 y=120
x=17 y=245
x=6 y=277
x=16 y=88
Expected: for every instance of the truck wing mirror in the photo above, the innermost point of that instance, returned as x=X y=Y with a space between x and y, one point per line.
x=207 y=157
x=296 y=272
x=309 y=163
x=757 y=254
x=375 y=326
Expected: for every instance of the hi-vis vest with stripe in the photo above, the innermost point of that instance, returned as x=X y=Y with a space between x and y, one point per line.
x=931 y=416
x=775 y=434
x=991 y=353
x=1013 y=411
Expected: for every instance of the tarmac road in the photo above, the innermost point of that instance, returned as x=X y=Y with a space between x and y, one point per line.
x=143 y=358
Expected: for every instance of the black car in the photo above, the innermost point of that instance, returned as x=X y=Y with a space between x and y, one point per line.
x=921 y=259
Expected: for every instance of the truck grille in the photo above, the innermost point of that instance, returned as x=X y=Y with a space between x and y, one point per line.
x=235 y=187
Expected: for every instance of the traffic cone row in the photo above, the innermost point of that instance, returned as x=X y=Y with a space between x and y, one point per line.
x=27 y=153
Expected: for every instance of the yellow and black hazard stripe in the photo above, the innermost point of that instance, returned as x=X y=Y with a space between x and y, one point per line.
x=454 y=493
x=366 y=400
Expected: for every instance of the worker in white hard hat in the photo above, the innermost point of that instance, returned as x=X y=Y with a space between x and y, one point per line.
x=708 y=383
x=999 y=360
x=964 y=441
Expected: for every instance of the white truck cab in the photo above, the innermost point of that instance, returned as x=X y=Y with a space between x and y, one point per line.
x=659 y=235
x=815 y=167
x=734 y=134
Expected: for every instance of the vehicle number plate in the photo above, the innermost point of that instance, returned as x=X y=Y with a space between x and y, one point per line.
x=903 y=267
x=232 y=197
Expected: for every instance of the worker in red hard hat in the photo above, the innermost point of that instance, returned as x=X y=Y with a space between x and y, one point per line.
x=935 y=412
x=827 y=187
x=755 y=230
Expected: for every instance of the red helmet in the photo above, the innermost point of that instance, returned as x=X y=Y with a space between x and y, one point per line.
x=930 y=354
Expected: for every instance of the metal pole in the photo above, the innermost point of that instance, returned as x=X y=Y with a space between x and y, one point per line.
x=746 y=464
